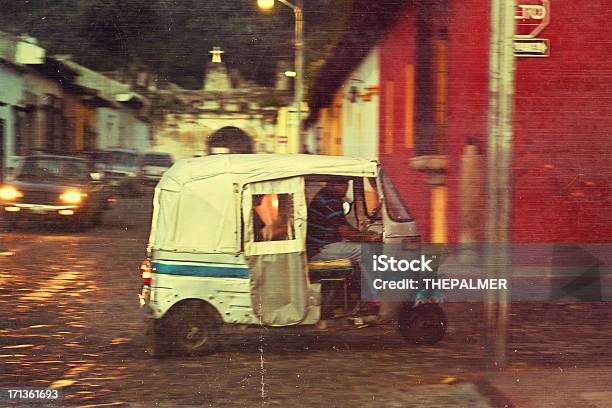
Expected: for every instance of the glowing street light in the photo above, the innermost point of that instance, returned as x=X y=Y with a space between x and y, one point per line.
x=299 y=56
x=265 y=4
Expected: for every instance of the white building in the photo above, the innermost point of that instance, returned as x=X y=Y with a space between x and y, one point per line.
x=360 y=115
x=15 y=52
x=120 y=125
x=11 y=100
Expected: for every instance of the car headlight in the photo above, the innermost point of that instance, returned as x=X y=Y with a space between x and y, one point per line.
x=9 y=193
x=72 y=196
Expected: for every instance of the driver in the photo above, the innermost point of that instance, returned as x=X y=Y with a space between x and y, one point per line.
x=330 y=236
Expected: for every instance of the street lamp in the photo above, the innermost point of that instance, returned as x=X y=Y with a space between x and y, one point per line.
x=299 y=56
x=265 y=4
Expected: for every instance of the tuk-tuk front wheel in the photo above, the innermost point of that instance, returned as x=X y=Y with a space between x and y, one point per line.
x=192 y=328
x=423 y=325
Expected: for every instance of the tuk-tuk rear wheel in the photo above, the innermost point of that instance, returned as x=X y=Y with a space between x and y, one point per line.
x=423 y=325
x=192 y=328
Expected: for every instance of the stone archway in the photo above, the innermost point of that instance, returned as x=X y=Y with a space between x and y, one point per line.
x=230 y=139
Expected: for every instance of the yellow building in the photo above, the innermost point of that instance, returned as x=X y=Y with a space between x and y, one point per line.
x=330 y=125
x=81 y=118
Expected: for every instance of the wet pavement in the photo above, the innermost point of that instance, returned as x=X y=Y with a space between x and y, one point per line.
x=69 y=318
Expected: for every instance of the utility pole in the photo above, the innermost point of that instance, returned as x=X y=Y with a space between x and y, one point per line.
x=299 y=68
x=298 y=43
x=499 y=172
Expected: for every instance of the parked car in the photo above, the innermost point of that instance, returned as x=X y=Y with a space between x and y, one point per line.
x=56 y=187
x=122 y=169
x=154 y=165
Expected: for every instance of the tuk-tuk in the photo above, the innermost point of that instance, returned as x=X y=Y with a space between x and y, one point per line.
x=213 y=263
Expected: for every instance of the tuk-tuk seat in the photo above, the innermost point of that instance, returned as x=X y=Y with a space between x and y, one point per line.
x=332 y=272
x=334 y=264
x=335 y=269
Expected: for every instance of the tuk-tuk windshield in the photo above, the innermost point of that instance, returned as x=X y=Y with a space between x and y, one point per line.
x=393 y=202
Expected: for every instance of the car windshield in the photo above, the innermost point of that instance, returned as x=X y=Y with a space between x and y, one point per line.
x=162 y=160
x=123 y=158
x=51 y=167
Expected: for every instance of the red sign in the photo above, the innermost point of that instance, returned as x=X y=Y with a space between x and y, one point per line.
x=281 y=139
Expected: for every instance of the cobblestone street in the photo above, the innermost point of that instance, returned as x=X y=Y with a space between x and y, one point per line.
x=69 y=317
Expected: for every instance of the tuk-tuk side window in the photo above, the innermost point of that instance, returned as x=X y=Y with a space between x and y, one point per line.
x=273 y=218
x=395 y=206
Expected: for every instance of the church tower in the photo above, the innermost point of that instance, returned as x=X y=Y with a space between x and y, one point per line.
x=217 y=77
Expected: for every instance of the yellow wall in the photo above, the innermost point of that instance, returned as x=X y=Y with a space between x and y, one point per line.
x=439 y=229
x=330 y=127
x=409 y=108
x=336 y=125
x=389 y=120
x=80 y=116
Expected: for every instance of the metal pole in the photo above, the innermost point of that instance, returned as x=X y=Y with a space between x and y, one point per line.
x=299 y=69
x=298 y=92
x=506 y=96
x=499 y=180
x=491 y=190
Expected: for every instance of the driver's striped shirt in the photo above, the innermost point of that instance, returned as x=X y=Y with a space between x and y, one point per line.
x=325 y=215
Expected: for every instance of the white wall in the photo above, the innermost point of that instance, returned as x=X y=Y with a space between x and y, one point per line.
x=28 y=52
x=140 y=135
x=311 y=139
x=108 y=128
x=11 y=94
x=360 y=119
x=120 y=127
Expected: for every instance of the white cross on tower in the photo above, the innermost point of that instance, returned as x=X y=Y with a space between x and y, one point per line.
x=216 y=54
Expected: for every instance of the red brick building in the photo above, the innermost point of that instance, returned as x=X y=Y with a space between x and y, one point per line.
x=434 y=102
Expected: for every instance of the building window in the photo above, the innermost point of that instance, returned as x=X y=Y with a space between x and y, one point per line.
x=273 y=217
x=90 y=138
x=70 y=136
x=54 y=124
x=20 y=120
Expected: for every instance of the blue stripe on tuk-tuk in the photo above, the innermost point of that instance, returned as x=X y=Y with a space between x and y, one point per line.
x=201 y=270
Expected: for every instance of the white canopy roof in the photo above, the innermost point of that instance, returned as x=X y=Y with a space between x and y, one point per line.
x=246 y=168
x=197 y=208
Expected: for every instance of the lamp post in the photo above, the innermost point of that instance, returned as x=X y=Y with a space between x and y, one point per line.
x=299 y=57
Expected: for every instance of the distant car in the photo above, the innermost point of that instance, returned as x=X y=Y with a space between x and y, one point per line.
x=154 y=165
x=122 y=169
x=58 y=187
